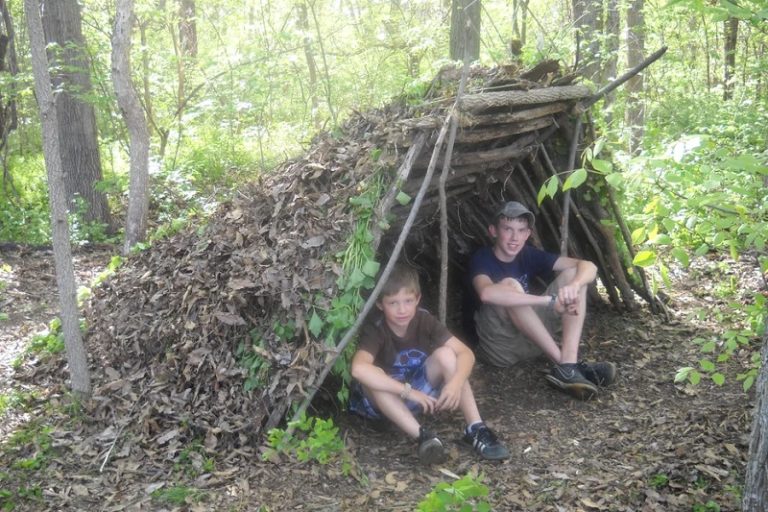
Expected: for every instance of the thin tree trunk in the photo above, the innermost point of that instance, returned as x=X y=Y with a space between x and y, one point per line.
x=588 y=22
x=756 y=485
x=635 y=113
x=611 y=49
x=62 y=252
x=465 y=29
x=707 y=58
x=326 y=68
x=128 y=100
x=8 y=113
x=187 y=28
x=731 y=35
x=80 y=158
x=309 y=54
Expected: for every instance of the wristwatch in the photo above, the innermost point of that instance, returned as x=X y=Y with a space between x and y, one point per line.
x=406 y=391
x=552 y=301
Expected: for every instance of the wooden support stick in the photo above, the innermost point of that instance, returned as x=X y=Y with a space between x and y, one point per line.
x=400 y=180
x=443 y=297
x=655 y=305
x=567 y=193
x=623 y=78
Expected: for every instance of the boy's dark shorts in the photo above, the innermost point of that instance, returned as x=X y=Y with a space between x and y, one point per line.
x=414 y=373
x=500 y=343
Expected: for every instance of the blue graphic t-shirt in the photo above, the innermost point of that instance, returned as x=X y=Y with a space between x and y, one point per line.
x=529 y=264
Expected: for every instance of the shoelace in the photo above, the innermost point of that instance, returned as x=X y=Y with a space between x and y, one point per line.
x=484 y=437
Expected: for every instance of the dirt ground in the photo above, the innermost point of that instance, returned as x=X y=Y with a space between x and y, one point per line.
x=645 y=444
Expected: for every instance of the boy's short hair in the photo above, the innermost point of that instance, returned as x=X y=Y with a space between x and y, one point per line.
x=402 y=276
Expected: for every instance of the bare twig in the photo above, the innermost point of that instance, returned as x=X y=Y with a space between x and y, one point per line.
x=567 y=194
x=443 y=301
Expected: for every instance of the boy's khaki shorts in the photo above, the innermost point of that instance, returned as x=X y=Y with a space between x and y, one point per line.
x=501 y=343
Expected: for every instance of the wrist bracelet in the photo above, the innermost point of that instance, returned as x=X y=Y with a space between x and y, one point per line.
x=406 y=391
x=552 y=301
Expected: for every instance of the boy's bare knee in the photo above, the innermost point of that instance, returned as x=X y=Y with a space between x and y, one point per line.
x=445 y=358
x=566 y=276
x=513 y=283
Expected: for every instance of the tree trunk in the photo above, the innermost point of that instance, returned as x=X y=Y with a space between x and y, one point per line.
x=302 y=22
x=62 y=252
x=611 y=51
x=80 y=159
x=128 y=100
x=519 y=22
x=635 y=113
x=8 y=114
x=187 y=28
x=465 y=30
x=588 y=22
x=731 y=28
x=756 y=485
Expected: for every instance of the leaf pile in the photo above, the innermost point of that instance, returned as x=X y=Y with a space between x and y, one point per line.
x=167 y=327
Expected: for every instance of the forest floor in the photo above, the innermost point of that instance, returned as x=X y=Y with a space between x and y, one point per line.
x=645 y=444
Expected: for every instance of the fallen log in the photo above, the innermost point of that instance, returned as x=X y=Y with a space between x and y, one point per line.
x=488 y=100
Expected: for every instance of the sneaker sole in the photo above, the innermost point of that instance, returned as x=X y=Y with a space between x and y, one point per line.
x=582 y=391
x=499 y=455
x=431 y=452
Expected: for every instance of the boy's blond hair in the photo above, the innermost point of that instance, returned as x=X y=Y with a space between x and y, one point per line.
x=402 y=277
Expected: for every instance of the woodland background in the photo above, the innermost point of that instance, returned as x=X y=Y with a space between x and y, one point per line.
x=229 y=89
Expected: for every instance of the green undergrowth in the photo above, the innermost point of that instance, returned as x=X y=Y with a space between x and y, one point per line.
x=694 y=195
x=27 y=453
x=313 y=440
x=465 y=494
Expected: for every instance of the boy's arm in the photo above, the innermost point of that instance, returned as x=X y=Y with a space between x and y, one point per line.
x=374 y=378
x=465 y=361
x=500 y=294
x=371 y=376
x=586 y=272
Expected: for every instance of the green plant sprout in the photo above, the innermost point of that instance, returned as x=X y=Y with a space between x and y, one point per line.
x=467 y=494
x=314 y=440
x=192 y=460
x=178 y=495
x=253 y=356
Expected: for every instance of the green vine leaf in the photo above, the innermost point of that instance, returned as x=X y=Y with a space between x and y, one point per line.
x=315 y=324
x=644 y=259
x=576 y=178
x=371 y=268
x=403 y=198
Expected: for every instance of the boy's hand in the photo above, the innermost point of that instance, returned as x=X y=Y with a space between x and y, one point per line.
x=427 y=403
x=565 y=304
x=449 y=396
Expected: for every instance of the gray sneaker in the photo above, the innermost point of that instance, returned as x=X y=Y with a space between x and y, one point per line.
x=599 y=374
x=485 y=443
x=568 y=378
x=431 y=450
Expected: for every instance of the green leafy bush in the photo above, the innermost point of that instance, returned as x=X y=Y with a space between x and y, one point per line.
x=466 y=494
x=314 y=439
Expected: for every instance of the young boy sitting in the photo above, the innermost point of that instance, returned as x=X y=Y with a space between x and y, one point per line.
x=408 y=363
